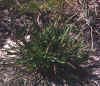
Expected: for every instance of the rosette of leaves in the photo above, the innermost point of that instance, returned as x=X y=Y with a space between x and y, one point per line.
x=54 y=45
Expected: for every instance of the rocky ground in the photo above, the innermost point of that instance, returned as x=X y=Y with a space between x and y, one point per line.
x=95 y=56
x=11 y=75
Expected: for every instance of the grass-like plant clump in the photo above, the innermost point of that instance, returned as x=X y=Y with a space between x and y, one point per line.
x=52 y=46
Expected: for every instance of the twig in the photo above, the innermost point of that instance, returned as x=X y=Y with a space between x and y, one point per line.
x=18 y=3
x=92 y=45
x=95 y=7
x=97 y=32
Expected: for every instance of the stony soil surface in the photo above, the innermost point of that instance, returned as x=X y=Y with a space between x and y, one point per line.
x=11 y=75
x=95 y=54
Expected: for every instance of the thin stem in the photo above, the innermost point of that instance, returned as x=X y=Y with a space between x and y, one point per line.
x=92 y=45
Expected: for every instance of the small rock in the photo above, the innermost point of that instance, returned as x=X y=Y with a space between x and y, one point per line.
x=6 y=12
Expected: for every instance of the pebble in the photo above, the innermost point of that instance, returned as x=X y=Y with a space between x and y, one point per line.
x=6 y=12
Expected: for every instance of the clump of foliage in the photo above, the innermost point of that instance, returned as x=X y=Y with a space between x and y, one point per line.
x=51 y=46
x=53 y=43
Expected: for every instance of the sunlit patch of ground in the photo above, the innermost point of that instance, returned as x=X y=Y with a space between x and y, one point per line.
x=9 y=50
